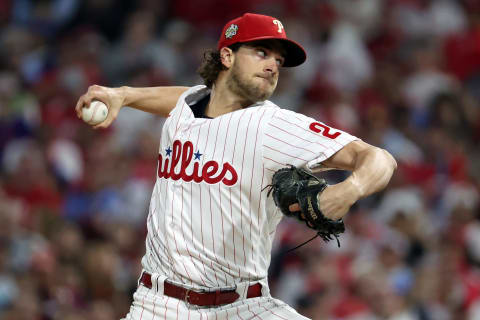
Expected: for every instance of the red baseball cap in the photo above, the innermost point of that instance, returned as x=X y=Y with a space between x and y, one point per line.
x=251 y=27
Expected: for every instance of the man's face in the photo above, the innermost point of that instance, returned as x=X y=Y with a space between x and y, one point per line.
x=255 y=70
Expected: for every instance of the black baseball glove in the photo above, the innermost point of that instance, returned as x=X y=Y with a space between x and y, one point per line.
x=294 y=185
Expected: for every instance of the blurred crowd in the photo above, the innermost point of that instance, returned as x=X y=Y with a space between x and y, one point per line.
x=400 y=74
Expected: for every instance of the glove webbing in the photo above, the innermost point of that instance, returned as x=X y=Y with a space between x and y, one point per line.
x=325 y=238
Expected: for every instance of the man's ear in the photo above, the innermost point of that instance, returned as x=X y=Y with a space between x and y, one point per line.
x=227 y=57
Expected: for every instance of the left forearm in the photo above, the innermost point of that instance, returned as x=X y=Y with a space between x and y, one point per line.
x=371 y=168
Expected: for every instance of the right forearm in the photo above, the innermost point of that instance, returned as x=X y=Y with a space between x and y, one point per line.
x=156 y=100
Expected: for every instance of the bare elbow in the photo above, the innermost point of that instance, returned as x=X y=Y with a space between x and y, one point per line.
x=373 y=171
x=389 y=165
x=385 y=161
x=390 y=159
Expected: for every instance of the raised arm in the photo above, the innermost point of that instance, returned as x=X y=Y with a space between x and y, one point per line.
x=156 y=100
x=371 y=168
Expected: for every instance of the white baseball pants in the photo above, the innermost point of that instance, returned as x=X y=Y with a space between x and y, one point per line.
x=152 y=304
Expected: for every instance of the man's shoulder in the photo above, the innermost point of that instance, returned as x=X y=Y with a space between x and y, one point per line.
x=268 y=109
x=267 y=104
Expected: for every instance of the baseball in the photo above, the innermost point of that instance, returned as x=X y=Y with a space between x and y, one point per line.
x=95 y=113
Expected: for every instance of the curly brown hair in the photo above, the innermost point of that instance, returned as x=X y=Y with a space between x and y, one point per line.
x=212 y=65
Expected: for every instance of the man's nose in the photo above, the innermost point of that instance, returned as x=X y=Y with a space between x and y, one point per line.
x=271 y=66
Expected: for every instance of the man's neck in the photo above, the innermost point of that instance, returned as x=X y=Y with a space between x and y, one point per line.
x=223 y=101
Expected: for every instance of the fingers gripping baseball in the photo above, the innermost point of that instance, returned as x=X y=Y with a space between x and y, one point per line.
x=112 y=97
x=93 y=93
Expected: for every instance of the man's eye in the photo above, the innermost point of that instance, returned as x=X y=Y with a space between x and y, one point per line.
x=280 y=62
x=262 y=52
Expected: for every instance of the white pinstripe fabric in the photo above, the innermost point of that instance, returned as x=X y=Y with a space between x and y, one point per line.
x=151 y=305
x=209 y=234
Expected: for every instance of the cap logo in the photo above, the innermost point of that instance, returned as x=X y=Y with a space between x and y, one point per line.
x=231 y=31
x=279 y=25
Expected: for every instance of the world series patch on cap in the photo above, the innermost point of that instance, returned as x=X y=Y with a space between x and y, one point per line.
x=252 y=27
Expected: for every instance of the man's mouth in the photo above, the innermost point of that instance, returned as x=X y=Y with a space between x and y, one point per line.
x=267 y=78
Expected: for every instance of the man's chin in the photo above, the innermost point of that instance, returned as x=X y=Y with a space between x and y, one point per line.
x=263 y=97
x=257 y=91
x=265 y=90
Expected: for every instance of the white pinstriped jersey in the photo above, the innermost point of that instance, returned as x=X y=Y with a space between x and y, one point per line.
x=210 y=222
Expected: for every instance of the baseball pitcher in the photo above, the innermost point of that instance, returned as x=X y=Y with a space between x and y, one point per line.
x=224 y=148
